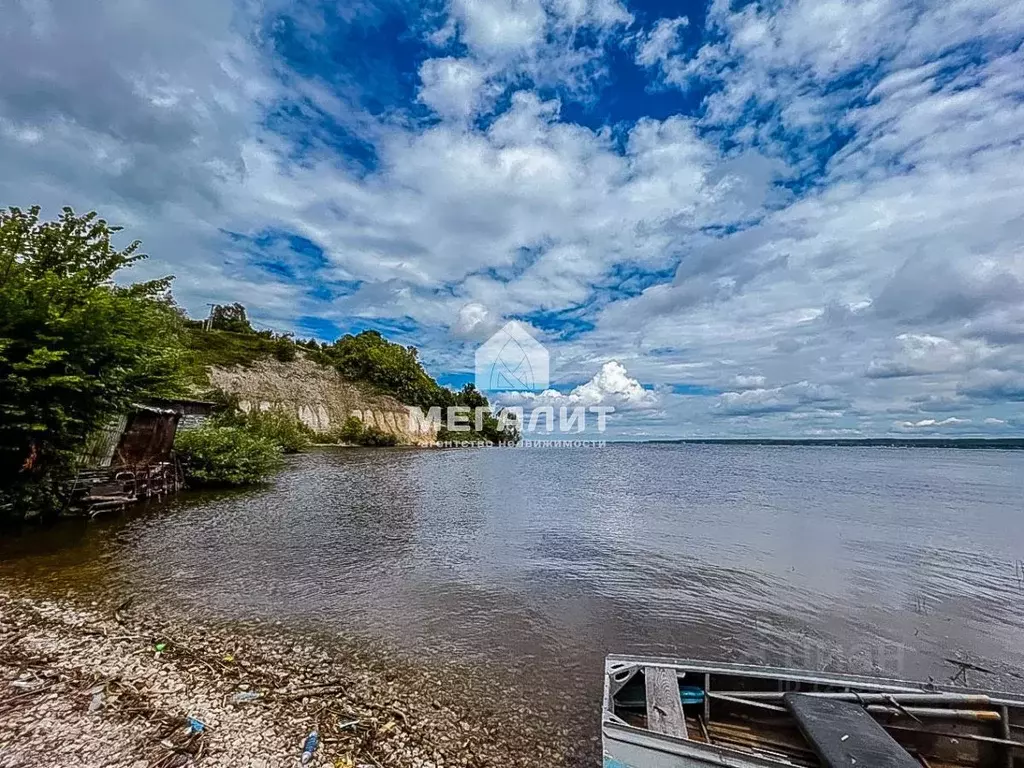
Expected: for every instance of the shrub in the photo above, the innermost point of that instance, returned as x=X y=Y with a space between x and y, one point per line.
x=284 y=350
x=221 y=455
x=352 y=432
x=378 y=438
x=357 y=433
x=279 y=426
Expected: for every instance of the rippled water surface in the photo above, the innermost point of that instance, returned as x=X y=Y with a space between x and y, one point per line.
x=540 y=562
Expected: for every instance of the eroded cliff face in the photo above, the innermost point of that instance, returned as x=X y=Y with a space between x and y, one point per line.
x=319 y=396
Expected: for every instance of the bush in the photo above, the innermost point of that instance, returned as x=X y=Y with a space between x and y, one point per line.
x=378 y=438
x=279 y=426
x=352 y=432
x=221 y=455
x=357 y=433
x=284 y=350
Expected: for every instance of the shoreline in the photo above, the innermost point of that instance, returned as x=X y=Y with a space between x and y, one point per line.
x=102 y=684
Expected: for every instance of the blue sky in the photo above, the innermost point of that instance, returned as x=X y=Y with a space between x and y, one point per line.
x=790 y=218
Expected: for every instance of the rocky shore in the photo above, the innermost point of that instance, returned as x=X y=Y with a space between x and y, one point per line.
x=105 y=685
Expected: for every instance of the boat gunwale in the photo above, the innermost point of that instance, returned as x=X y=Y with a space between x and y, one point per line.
x=881 y=684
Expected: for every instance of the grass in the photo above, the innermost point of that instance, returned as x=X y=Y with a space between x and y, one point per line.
x=226 y=349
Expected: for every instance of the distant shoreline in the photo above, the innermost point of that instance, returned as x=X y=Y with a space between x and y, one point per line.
x=1003 y=443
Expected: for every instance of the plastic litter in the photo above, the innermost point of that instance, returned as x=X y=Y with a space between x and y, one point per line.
x=691 y=694
x=194 y=726
x=312 y=742
x=97 y=702
x=245 y=696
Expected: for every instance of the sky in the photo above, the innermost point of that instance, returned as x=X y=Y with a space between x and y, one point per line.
x=797 y=218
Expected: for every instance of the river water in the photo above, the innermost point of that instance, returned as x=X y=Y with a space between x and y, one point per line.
x=534 y=564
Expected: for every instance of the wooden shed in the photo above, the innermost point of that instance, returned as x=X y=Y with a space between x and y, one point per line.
x=133 y=457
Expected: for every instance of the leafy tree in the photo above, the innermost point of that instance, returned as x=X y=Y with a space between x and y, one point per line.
x=75 y=348
x=230 y=317
x=392 y=368
x=377 y=437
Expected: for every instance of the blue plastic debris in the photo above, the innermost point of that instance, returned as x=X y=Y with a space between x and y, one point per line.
x=312 y=741
x=691 y=694
x=194 y=726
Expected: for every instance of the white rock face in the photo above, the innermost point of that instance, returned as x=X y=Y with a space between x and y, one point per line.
x=318 y=396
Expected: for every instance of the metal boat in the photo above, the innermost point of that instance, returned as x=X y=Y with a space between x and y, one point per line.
x=682 y=713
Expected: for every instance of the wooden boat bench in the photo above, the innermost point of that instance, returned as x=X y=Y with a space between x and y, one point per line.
x=844 y=735
x=664 y=707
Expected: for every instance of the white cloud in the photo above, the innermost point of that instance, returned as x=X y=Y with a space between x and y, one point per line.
x=742 y=381
x=495 y=27
x=791 y=397
x=922 y=354
x=452 y=87
x=475 y=322
x=661 y=42
x=611 y=386
x=952 y=421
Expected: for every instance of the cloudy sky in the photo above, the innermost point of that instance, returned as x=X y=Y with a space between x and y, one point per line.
x=785 y=218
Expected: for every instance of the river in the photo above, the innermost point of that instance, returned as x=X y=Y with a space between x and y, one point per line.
x=533 y=564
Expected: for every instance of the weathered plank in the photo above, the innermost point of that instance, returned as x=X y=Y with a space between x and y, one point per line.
x=664 y=707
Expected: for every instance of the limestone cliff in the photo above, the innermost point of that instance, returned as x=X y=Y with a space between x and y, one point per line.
x=319 y=396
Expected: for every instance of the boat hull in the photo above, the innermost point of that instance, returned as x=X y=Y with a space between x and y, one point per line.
x=955 y=726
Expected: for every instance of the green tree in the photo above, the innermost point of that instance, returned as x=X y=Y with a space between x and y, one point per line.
x=75 y=348
x=230 y=317
x=390 y=367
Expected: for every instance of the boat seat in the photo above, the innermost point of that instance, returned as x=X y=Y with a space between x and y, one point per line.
x=843 y=734
x=664 y=705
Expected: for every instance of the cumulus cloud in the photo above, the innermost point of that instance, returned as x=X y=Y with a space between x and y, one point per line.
x=475 y=322
x=452 y=87
x=494 y=27
x=610 y=386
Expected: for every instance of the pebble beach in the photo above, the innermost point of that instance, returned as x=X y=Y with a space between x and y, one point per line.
x=101 y=685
